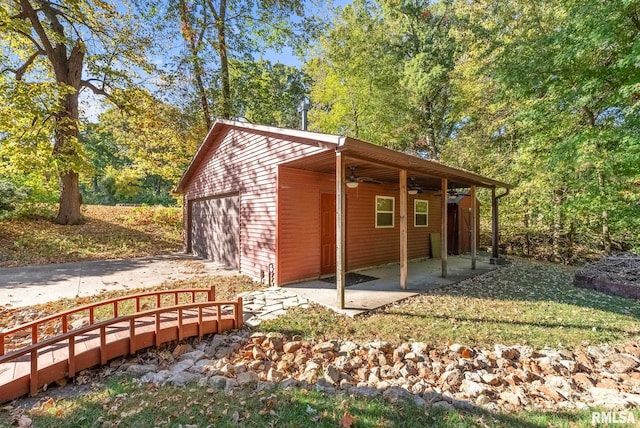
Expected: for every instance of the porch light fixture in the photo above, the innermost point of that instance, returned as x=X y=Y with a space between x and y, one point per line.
x=352 y=184
x=412 y=192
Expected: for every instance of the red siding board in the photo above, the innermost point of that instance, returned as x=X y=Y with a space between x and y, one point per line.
x=247 y=163
x=299 y=225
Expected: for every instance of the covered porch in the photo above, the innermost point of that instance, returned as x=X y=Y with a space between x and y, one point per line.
x=423 y=275
x=363 y=176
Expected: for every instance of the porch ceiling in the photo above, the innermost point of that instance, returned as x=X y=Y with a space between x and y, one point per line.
x=383 y=164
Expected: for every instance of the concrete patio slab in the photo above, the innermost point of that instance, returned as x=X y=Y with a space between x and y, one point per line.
x=424 y=275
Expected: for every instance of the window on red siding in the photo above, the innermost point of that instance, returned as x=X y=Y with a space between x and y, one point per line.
x=420 y=213
x=385 y=211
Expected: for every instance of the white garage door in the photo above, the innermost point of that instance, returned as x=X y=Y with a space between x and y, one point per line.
x=215 y=229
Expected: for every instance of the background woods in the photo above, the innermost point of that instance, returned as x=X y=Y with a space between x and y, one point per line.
x=544 y=96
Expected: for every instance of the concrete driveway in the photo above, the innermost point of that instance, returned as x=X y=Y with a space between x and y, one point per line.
x=30 y=285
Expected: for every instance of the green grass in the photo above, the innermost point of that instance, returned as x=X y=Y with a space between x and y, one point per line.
x=121 y=403
x=108 y=232
x=531 y=303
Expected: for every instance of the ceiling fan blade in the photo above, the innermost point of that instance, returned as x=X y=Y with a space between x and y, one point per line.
x=369 y=180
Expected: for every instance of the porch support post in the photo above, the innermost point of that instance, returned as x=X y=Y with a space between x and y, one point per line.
x=340 y=229
x=494 y=225
x=474 y=226
x=404 y=265
x=444 y=235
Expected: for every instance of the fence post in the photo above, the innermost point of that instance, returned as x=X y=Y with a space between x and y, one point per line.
x=33 y=381
x=103 y=345
x=72 y=356
x=239 y=313
x=132 y=335
x=212 y=293
x=157 y=341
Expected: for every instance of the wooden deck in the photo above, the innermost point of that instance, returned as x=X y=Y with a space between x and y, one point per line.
x=25 y=370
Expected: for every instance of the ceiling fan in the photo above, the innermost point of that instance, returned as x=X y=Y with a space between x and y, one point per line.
x=353 y=180
x=451 y=192
x=414 y=188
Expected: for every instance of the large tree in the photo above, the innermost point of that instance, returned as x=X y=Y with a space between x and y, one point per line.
x=138 y=155
x=225 y=38
x=551 y=93
x=383 y=73
x=84 y=44
x=356 y=77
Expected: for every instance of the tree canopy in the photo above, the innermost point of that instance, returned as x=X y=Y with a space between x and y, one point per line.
x=544 y=95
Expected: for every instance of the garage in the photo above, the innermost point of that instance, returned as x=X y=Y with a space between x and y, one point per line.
x=215 y=229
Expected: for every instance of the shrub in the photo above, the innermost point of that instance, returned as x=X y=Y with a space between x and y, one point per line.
x=11 y=194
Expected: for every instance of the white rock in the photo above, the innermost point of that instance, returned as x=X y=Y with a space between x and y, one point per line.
x=181 y=366
x=396 y=394
x=247 y=378
x=274 y=375
x=442 y=405
x=473 y=389
x=141 y=369
x=217 y=382
x=193 y=355
x=483 y=400
x=183 y=378
x=332 y=374
x=364 y=391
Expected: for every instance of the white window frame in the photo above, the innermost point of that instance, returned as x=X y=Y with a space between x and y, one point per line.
x=392 y=212
x=415 y=213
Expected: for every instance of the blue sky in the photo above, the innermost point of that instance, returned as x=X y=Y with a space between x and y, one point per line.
x=92 y=106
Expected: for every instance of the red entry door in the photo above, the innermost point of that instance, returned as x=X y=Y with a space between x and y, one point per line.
x=328 y=233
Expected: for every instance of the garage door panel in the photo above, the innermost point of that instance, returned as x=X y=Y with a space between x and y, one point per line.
x=215 y=229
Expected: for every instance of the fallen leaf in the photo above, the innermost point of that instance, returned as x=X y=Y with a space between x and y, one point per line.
x=47 y=404
x=347 y=420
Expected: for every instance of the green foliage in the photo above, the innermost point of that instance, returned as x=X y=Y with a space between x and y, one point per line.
x=10 y=194
x=268 y=93
x=355 y=75
x=137 y=155
x=553 y=114
x=48 y=50
x=540 y=95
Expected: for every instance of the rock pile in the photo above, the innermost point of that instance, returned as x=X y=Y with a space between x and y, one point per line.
x=507 y=378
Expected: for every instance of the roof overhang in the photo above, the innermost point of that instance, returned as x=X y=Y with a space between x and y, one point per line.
x=372 y=160
x=417 y=166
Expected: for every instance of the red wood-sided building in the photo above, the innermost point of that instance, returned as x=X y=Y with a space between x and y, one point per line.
x=299 y=205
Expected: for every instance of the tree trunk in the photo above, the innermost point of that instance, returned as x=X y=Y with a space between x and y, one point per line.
x=558 y=225
x=66 y=136
x=68 y=71
x=194 y=47
x=224 y=60
x=606 y=236
x=70 y=199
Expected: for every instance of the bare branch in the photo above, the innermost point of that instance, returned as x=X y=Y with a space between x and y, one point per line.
x=31 y=38
x=42 y=34
x=100 y=91
x=19 y=72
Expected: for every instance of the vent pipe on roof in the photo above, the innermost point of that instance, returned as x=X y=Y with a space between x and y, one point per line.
x=304 y=108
